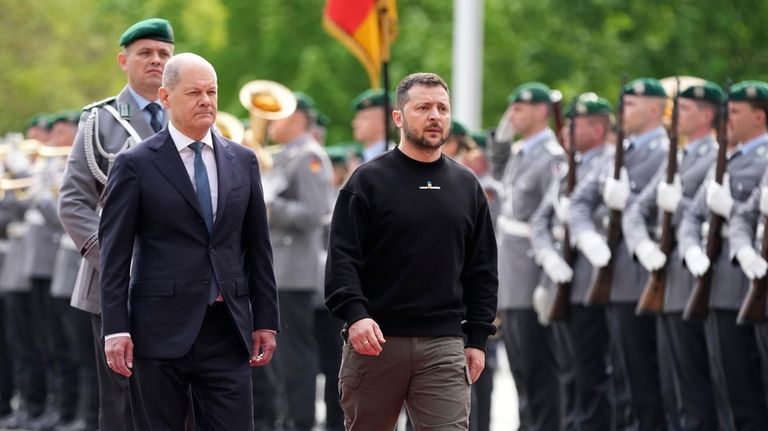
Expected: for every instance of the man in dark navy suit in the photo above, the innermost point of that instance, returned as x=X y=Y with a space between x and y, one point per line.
x=188 y=290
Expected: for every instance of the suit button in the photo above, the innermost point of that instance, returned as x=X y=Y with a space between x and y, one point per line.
x=211 y=250
x=205 y=282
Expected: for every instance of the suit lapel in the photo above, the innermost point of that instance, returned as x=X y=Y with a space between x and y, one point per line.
x=169 y=163
x=225 y=168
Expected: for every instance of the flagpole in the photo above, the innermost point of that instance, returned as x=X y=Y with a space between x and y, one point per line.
x=384 y=37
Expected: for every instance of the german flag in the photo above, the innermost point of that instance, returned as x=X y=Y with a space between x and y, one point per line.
x=358 y=25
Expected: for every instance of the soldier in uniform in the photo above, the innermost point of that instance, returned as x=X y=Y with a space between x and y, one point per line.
x=107 y=127
x=634 y=336
x=21 y=317
x=39 y=128
x=585 y=334
x=527 y=177
x=368 y=125
x=687 y=357
x=299 y=210
x=733 y=351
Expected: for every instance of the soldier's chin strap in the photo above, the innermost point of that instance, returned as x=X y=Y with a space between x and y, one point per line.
x=91 y=141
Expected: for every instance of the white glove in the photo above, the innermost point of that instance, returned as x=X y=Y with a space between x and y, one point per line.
x=594 y=248
x=668 y=196
x=696 y=260
x=555 y=267
x=753 y=265
x=649 y=255
x=505 y=132
x=764 y=200
x=542 y=303
x=562 y=208
x=616 y=192
x=719 y=198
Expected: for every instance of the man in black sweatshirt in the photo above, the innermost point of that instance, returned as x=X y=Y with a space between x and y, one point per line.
x=412 y=270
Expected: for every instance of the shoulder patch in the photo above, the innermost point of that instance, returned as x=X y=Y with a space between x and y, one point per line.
x=315 y=164
x=554 y=148
x=99 y=103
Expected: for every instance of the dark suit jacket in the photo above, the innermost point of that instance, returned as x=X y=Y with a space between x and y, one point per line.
x=151 y=216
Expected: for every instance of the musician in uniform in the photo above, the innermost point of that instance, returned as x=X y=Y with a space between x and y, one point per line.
x=686 y=355
x=299 y=210
x=526 y=177
x=106 y=128
x=634 y=336
x=585 y=335
x=733 y=352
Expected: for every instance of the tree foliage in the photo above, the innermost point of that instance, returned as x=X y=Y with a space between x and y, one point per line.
x=60 y=54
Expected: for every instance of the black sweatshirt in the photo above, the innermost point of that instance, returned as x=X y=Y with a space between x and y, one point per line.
x=412 y=246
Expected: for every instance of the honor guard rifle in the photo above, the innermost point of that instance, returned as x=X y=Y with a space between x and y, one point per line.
x=600 y=290
x=561 y=305
x=698 y=303
x=652 y=298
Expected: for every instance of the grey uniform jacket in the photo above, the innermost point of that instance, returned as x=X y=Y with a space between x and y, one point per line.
x=692 y=169
x=526 y=180
x=746 y=227
x=641 y=160
x=41 y=240
x=544 y=223
x=729 y=284
x=12 y=277
x=80 y=192
x=299 y=213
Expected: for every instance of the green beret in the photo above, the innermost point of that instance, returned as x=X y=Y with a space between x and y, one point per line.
x=589 y=104
x=458 y=129
x=340 y=153
x=152 y=28
x=749 y=90
x=530 y=92
x=708 y=92
x=40 y=120
x=66 y=116
x=370 y=98
x=304 y=102
x=479 y=138
x=322 y=119
x=648 y=87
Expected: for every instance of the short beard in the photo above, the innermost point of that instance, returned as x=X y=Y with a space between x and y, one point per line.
x=420 y=141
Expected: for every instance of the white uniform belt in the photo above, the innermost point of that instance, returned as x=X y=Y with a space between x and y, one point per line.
x=515 y=227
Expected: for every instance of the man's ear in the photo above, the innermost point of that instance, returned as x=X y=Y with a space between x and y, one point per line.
x=397 y=117
x=122 y=60
x=162 y=92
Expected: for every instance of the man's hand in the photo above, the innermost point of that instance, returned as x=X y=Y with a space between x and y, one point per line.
x=475 y=362
x=264 y=346
x=366 y=337
x=119 y=353
x=719 y=198
x=668 y=196
x=594 y=248
x=616 y=192
x=696 y=260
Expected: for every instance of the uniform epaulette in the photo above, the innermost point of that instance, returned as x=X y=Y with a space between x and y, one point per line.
x=553 y=148
x=99 y=103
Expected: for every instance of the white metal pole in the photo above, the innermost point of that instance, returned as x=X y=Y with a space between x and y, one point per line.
x=467 y=79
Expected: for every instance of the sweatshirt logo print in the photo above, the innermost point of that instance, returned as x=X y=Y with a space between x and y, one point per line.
x=429 y=186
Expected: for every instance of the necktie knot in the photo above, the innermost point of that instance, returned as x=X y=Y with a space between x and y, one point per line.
x=197 y=147
x=154 y=122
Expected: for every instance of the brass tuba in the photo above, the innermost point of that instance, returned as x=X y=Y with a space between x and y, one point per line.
x=265 y=101
x=230 y=127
